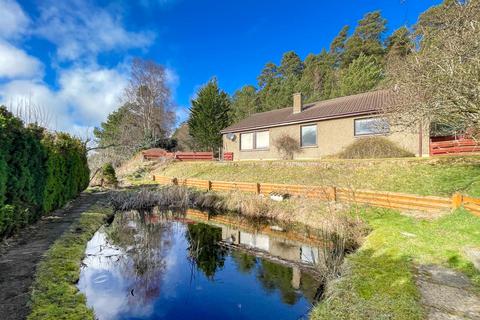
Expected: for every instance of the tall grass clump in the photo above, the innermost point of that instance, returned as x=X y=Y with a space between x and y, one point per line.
x=373 y=147
x=39 y=171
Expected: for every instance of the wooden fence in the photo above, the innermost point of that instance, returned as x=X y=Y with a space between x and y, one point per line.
x=228 y=156
x=152 y=154
x=463 y=145
x=194 y=156
x=395 y=200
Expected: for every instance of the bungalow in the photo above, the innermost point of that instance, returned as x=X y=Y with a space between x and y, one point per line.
x=321 y=128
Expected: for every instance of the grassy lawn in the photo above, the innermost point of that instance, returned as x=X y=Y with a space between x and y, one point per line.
x=441 y=176
x=379 y=281
x=54 y=293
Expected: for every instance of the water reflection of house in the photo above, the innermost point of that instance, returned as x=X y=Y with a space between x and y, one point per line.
x=276 y=246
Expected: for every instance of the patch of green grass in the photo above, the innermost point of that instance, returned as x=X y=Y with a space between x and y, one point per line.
x=54 y=293
x=441 y=176
x=379 y=283
x=376 y=287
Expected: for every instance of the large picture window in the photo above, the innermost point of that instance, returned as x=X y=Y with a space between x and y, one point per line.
x=255 y=140
x=371 y=126
x=308 y=135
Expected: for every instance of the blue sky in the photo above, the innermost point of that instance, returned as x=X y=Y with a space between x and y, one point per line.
x=71 y=58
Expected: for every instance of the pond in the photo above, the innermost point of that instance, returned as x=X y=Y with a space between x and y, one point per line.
x=199 y=267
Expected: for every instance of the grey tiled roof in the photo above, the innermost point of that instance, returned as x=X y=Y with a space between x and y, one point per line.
x=359 y=104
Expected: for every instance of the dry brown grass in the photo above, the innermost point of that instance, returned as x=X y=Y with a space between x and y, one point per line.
x=328 y=218
x=137 y=169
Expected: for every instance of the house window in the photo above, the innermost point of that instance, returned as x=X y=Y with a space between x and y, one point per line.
x=308 y=135
x=262 y=140
x=246 y=141
x=255 y=140
x=371 y=126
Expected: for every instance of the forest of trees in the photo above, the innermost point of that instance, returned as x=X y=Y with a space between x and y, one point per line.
x=355 y=62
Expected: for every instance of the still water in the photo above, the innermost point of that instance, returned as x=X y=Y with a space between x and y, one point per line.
x=198 y=268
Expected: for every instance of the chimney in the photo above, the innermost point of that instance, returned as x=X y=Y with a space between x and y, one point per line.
x=297 y=103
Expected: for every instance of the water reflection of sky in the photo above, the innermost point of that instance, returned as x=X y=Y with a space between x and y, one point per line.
x=122 y=283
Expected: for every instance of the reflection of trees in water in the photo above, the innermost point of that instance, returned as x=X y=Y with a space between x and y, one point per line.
x=273 y=276
x=146 y=245
x=204 y=249
x=245 y=262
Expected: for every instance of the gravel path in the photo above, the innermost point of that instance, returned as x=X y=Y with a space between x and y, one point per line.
x=20 y=255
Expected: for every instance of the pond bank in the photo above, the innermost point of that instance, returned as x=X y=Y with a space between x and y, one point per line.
x=381 y=280
x=54 y=292
x=20 y=255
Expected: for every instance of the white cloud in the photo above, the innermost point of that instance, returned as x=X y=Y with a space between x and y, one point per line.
x=92 y=93
x=172 y=78
x=13 y=19
x=15 y=93
x=81 y=30
x=15 y=63
x=85 y=92
x=85 y=97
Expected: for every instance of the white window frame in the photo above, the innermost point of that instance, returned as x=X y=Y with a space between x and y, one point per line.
x=268 y=140
x=254 y=140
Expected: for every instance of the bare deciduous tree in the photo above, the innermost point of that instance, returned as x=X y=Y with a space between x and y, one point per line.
x=148 y=99
x=439 y=82
x=31 y=112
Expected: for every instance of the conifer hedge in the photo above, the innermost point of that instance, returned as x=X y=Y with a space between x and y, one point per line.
x=39 y=171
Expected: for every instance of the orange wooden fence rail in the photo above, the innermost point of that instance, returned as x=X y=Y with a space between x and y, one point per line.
x=156 y=153
x=395 y=200
x=454 y=146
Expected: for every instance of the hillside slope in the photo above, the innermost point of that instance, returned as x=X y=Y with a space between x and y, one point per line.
x=441 y=176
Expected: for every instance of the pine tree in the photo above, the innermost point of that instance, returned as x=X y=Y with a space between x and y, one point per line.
x=399 y=43
x=209 y=114
x=362 y=75
x=277 y=84
x=338 y=45
x=110 y=132
x=245 y=102
x=269 y=87
x=366 y=39
x=318 y=78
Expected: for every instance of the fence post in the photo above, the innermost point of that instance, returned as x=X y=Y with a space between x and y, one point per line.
x=175 y=181
x=258 y=188
x=209 y=185
x=334 y=191
x=153 y=177
x=457 y=200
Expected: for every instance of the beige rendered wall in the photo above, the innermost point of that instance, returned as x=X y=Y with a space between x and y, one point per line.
x=332 y=137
